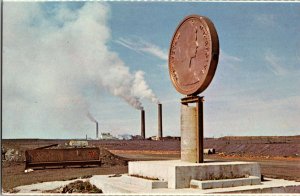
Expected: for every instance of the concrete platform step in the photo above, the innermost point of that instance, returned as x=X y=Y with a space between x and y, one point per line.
x=145 y=183
x=224 y=183
x=121 y=187
x=114 y=184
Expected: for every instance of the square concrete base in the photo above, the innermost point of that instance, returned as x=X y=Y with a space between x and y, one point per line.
x=122 y=184
x=179 y=174
x=178 y=177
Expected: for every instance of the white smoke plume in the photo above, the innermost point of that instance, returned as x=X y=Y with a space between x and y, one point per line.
x=141 y=89
x=53 y=56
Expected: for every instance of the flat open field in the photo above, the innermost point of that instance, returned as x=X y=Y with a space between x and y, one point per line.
x=279 y=157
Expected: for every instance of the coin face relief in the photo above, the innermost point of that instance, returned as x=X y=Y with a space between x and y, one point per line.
x=193 y=55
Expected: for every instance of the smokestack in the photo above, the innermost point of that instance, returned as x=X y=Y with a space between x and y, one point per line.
x=143 y=123
x=160 y=134
x=97 y=132
x=89 y=115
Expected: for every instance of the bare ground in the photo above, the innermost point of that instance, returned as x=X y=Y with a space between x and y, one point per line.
x=14 y=175
x=277 y=156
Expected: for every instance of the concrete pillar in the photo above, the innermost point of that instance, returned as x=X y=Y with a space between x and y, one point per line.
x=200 y=131
x=189 y=133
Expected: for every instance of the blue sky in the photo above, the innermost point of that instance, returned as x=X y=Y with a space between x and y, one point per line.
x=63 y=60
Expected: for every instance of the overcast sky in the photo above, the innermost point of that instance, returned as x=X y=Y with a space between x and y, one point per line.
x=62 y=61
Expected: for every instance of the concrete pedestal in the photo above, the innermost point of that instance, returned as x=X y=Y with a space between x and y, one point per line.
x=179 y=177
x=179 y=174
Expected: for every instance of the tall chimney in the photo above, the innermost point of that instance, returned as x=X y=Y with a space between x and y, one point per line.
x=143 y=123
x=97 y=132
x=160 y=134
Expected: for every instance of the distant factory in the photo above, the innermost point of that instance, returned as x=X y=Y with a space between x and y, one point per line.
x=108 y=136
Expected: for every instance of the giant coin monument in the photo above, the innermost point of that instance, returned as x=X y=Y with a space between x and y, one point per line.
x=193 y=59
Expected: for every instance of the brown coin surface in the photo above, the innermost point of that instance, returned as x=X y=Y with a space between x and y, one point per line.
x=193 y=55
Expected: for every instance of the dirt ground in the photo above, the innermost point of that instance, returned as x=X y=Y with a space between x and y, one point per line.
x=277 y=156
x=13 y=175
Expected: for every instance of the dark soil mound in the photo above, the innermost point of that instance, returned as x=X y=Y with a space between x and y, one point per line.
x=109 y=159
x=78 y=186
